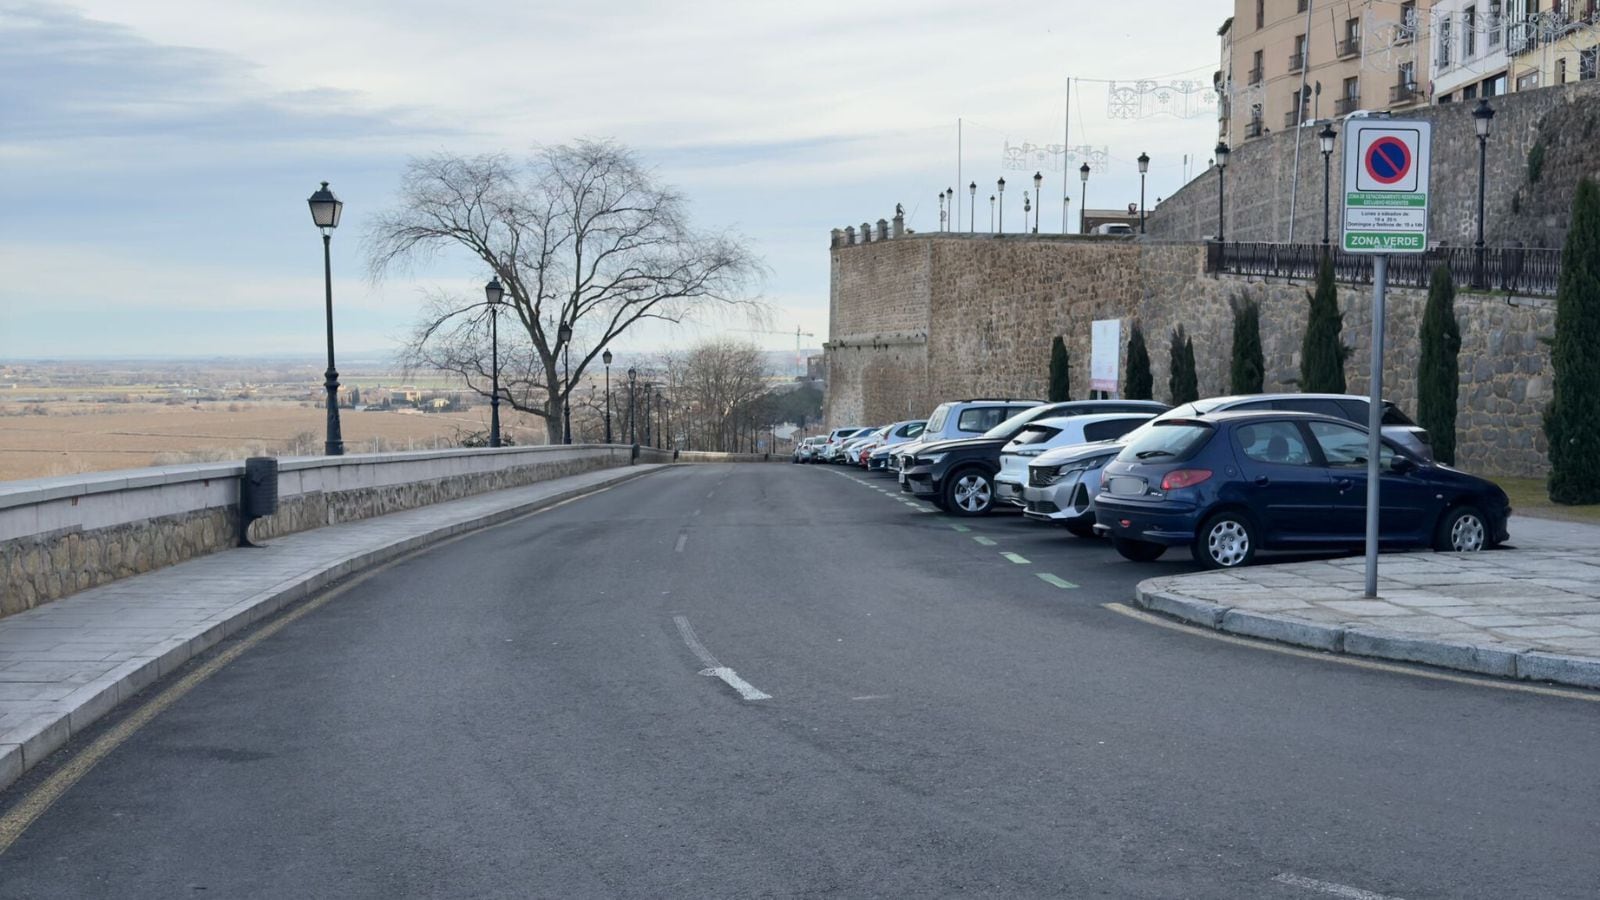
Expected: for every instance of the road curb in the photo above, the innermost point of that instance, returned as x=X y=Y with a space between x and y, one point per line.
x=1350 y=639
x=93 y=700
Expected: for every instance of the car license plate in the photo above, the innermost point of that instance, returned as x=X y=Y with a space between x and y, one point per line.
x=1127 y=486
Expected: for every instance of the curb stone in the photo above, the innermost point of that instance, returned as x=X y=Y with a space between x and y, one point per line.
x=49 y=731
x=1351 y=639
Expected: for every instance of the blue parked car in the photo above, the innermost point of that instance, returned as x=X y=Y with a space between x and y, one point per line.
x=1229 y=484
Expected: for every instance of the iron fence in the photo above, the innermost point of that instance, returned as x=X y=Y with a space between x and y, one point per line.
x=1524 y=271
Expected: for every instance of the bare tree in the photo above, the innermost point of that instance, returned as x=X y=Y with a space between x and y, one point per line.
x=715 y=384
x=580 y=235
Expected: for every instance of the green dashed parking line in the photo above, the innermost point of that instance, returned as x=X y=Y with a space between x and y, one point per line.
x=1062 y=583
x=1019 y=560
x=961 y=528
x=983 y=540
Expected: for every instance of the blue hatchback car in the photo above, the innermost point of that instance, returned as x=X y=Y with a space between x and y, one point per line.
x=1229 y=484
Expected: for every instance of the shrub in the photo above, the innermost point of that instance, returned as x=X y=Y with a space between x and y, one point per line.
x=1182 y=382
x=1248 y=372
x=1572 y=421
x=1140 y=383
x=1060 y=371
x=1536 y=162
x=1322 y=353
x=1438 y=378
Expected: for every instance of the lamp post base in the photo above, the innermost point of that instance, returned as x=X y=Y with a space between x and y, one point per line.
x=334 y=446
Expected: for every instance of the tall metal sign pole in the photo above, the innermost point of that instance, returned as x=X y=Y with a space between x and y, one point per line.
x=1386 y=166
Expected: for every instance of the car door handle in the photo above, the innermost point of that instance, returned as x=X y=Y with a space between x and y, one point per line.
x=1262 y=480
x=1343 y=483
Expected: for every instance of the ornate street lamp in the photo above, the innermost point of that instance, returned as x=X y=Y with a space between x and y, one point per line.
x=1327 y=136
x=972 y=207
x=1222 y=152
x=1144 y=167
x=1038 y=199
x=633 y=426
x=991 y=214
x=1481 y=117
x=1083 y=201
x=1001 y=185
x=1026 y=208
x=606 y=358
x=950 y=195
x=564 y=338
x=492 y=294
x=941 y=210
x=325 y=212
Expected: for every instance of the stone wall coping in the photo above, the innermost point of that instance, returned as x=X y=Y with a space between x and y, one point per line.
x=1008 y=236
x=43 y=490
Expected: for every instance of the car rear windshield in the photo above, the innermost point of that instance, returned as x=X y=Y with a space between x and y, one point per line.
x=1167 y=441
x=1035 y=434
x=1393 y=416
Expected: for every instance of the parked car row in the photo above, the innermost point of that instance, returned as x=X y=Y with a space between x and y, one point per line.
x=1225 y=476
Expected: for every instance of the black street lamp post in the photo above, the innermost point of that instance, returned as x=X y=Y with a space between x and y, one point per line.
x=493 y=292
x=1026 y=208
x=325 y=212
x=972 y=207
x=991 y=214
x=1001 y=185
x=606 y=358
x=1144 y=167
x=564 y=337
x=1327 y=136
x=633 y=427
x=1083 y=201
x=1481 y=117
x=1222 y=152
x=1038 y=199
x=941 y=210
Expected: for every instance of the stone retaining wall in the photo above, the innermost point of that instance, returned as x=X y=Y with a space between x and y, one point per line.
x=62 y=535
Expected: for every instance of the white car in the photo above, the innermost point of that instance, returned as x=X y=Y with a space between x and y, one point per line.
x=1047 y=434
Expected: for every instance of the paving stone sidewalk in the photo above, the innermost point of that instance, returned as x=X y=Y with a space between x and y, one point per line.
x=1530 y=613
x=65 y=664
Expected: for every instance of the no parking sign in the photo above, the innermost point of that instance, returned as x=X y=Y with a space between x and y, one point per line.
x=1386 y=186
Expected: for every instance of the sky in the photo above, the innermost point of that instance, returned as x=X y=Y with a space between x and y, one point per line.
x=156 y=155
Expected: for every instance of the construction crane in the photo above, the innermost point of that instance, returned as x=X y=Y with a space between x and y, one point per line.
x=799 y=362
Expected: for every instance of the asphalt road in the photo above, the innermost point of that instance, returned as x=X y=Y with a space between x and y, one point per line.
x=557 y=708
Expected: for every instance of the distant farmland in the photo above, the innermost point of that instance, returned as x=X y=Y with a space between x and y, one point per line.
x=63 y=438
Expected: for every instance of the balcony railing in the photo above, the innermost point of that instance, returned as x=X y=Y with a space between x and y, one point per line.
x=1297 y=61
x=1403 y=93
x=1523 y=271
x=1253 y=129
x=1255 y=76
x=1350 y=46
x=1346 y=105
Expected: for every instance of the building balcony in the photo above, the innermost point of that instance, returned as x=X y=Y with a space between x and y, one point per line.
x=1253 y=128
x=1290 y=120
x=1255 y=76
x=1349 y=47
x=1297 y=61
x=1403 y=93
x=1346 y=105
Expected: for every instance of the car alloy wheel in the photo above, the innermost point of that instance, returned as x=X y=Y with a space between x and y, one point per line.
x=971 y=494
x=1463 y=531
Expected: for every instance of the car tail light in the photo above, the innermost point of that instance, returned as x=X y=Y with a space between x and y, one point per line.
x=1182 y=478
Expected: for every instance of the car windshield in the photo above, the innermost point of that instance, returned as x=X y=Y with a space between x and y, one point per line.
x=1166 y=441
x=915 y=429
x=936 y=421
x=1009 y=427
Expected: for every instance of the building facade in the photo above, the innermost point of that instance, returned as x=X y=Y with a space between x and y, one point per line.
x=1469 y=50
x=1288 y=62
x=1552 y=42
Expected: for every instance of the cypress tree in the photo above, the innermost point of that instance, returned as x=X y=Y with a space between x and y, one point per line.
x=1249 y=366
x=1322 y=354
x=1572 y=421
x=1141 y=384
x=1438 y=370
x=1182 y=382
x=1060 y=371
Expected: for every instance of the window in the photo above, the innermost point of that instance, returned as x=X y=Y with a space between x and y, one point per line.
x=1588 y=64
x=1469 y=32
x=910 y=431
x=1470 y=92
x=1256 y=63
x=1318 y=405
x=1108 y=431
x=1346 y=448
x=1408 y=75
x=1493 y=24
x=1276 y=443
x=1408 y=21
x=1442 y=58
x=980 y=418
x=1300 y=5
x=936 y=421
x=1352 y=89
x=1261 y=13
x=1297 y=60
x=1035 y=434
x=1169 y=441
x=1561 y=70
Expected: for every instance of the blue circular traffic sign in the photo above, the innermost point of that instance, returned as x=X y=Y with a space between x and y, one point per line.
x=1388 y=160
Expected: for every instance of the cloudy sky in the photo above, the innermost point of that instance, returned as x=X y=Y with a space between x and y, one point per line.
x=155 y=155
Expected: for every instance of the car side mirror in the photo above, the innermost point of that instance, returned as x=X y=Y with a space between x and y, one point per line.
x=1400 y=465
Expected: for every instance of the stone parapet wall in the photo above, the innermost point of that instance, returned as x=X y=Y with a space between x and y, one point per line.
x=1517 y=210
x=62 y=535
x=996 y=304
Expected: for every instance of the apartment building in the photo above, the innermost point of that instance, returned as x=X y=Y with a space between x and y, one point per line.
x=1552 y=42
x=1469 y=49
x=1287 y=62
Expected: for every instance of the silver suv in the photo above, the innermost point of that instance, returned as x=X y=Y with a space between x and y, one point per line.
x=961 y=419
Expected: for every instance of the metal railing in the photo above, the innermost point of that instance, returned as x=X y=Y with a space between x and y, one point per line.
x=1350 y=46
x=1297 y=61
x=1524 y=271
x=1403 y=93
x=1345 y=105
x=1253 y=128
x=1255 y=76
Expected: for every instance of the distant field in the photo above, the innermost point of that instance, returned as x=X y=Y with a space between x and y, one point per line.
x=77 y=437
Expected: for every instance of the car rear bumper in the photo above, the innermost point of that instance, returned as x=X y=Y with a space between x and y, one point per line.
x=1168 y=523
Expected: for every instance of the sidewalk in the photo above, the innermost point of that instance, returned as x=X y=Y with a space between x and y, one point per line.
x=65 y=664
x=1532 y=612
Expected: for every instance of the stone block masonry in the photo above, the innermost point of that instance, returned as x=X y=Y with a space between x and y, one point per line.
x=63 y=535
x=926 y=318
